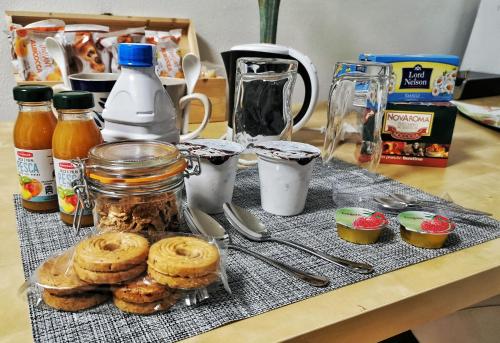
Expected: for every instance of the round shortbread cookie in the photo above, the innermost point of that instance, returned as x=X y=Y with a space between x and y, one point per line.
x=145 y=308
x=182 y=282
x=141 y=290
x=73 y=303
x=109 y=277
x=184 y=256
x=111 y=252
x=57 y=276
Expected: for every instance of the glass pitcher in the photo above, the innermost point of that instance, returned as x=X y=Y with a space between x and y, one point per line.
x=356 y=105
x=262 y=110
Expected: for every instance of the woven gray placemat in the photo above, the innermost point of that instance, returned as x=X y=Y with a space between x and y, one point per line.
x=257 y=288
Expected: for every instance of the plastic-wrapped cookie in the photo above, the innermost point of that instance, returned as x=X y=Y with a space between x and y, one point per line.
x=57 y=275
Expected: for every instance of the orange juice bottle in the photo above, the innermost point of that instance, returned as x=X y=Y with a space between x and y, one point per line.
x=33 y=148
x=75 y=134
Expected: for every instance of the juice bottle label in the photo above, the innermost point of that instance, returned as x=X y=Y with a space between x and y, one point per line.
x=36 y=174
x=66 y=173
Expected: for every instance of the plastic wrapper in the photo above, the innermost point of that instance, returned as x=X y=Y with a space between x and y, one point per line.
x=85 y=54
x=168 y=59
x=109 y=42
x=211 y=70
x=34 y=62
x=10 y=37
x=125 y=270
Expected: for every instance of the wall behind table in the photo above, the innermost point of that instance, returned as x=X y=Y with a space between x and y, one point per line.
x=326 y=30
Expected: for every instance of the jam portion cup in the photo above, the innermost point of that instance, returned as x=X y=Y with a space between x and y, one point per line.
x=359 y=225
x=424 y=229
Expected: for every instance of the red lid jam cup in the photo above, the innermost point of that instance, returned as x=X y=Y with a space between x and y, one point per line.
x=359 y=225
x=425 y=229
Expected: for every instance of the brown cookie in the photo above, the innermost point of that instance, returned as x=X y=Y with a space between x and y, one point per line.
x=109 y=277
x=182 y=282
x=57 y=276
x=184 y=256
x=111 y=251
x=140 y=290
x=73 y=303
x=145 y=308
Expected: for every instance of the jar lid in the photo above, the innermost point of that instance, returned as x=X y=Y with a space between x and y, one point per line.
x=32 y=93
x=134 y=162
x=69 y=100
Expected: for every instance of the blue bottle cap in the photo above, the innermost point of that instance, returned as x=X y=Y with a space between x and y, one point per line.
x=135 y=55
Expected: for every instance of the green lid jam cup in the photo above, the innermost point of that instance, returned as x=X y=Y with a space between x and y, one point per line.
x=424 y=229
x=359 y=225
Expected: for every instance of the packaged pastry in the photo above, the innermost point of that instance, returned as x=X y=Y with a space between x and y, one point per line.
x=184 y=262
x=34 y=62
x=10 y=38
x=143 y=296
x=167 y=51
x=109 y=42
x=139 y=277
x=61 y=288
x=85 y=55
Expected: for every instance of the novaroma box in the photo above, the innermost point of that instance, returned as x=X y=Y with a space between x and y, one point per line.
x=419 y=77
x=418 y=133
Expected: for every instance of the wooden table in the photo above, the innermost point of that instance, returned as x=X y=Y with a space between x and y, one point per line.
x=365 y=311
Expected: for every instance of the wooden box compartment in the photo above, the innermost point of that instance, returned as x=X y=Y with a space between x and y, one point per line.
x=214 y=88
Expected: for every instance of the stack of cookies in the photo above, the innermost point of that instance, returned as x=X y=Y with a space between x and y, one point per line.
x=111 y=257
x=143 y=296
x=63 y=290
x=183 y=262
x=80 y=278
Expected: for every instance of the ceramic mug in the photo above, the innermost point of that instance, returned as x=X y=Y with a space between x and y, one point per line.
x=176 y=89
x=100 y=85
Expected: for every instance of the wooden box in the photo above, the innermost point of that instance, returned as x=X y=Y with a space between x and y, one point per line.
x=214 y=88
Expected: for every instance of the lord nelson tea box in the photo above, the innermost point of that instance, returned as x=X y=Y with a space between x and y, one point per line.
x=418 y=133
x=419 y=77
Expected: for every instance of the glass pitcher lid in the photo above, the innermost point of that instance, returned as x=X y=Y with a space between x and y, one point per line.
x=134 y=162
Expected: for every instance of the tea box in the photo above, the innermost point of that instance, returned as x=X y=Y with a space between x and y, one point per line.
x=419 y=77
x=418 y=133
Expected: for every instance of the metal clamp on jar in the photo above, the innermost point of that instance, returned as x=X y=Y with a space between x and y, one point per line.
x=134 y=186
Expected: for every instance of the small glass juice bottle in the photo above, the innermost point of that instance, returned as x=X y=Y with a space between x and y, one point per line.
x=75 y=134
x=33 y=147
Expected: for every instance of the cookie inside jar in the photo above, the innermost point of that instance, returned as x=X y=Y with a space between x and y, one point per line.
x=136 y=186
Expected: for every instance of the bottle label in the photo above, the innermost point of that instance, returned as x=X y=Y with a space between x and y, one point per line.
x=36 y=174
x=66 y=173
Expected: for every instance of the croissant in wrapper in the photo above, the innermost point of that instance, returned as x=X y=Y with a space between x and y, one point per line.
x=34 y=62
x=168 y=58
x=86 y=55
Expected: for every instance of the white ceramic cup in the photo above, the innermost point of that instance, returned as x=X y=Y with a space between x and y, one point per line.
x=285 y=170
x=219 y=163
x=176 y=89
